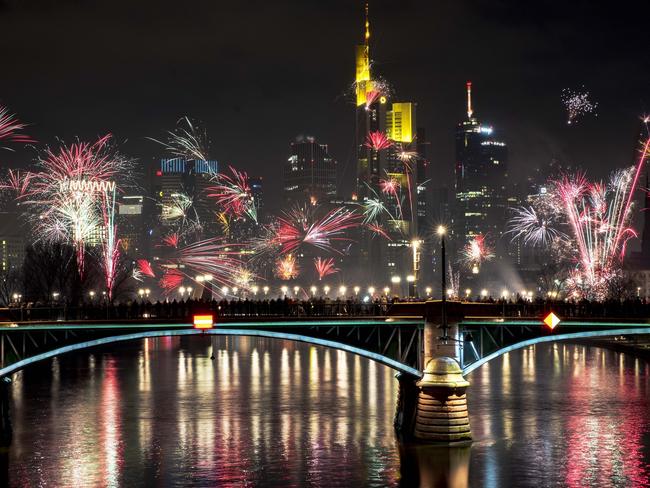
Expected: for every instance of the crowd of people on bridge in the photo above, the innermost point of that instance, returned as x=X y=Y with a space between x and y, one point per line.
x=286 y=306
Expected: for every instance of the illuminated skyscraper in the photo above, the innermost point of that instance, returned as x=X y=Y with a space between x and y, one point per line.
x=385 y=173
x=481 y=180
x=309 y=173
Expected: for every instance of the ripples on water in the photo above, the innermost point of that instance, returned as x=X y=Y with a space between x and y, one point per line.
x=160 y=412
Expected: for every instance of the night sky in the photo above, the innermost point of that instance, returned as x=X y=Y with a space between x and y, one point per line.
x=257 y=74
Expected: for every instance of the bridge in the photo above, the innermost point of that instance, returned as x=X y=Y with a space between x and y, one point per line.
x=430 y=355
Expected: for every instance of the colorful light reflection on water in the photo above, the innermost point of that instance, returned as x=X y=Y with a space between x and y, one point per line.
x=160 y=412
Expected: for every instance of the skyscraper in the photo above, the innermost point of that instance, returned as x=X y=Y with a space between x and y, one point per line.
x=481 y=172
x=178 y=178
x=309 y=173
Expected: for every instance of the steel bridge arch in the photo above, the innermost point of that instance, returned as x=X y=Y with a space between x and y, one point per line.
x=555 y=338
x=391 y=363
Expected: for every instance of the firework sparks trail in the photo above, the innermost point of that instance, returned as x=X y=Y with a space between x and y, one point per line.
x=378 y=230
x=454 y=281
x=325 y=267
x=110 y=243
x=145 y=268
x=17 y=182
x=477 y=251
x=212 y=257
x=300 y=226
x=186 y=141
x=67 y=191
x=233 y=194
x=391 y=186
x=287 y=268
x=10 y=129
x=377 y=141
x=577 y=105
x=171 y=240
x=533 y=227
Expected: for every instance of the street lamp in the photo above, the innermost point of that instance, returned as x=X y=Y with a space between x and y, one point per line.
x=356 y=290
x=146 y=292
x=371 y=290
x=255 y=289
x=92 y=294
x=484 y=293
x=284 y=289
x=428 y=290
x=266 y=290
x=415 y=244
x=442 y=231
x=342 y=290
x=326 y=289
x=386 y=290
x=313 y=290
x=141 y=293
x=467 y=292
x=296 y=289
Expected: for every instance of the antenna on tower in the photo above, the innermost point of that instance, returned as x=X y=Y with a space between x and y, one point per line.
x=470 y=112
x=367 y=35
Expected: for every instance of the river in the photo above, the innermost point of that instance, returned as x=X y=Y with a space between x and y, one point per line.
x=264 y=412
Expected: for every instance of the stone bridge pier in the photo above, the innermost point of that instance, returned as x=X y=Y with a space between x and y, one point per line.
x=434 y=409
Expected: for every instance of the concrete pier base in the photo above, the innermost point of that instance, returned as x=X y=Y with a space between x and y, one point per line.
x=6 y=432
x=442 y=415
x=406 y=410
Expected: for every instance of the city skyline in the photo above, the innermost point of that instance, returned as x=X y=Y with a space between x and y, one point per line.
x=529 y=112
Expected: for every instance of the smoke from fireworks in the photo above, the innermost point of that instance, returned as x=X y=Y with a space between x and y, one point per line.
x=324 y=267
x=377 y=141
x=186 y=141
x=233 y=194
x=577 y=105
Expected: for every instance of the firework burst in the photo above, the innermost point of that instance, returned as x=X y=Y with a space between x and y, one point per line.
x=186 y=141
x=301 y=226
x=287 y=268
x=577 y=105
x=535 y=227
x=233 y=194
x=377 y=141
x=11 y=129
x=477 y=251
x=325 y=267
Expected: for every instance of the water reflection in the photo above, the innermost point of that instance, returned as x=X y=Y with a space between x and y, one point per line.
x=275 y=413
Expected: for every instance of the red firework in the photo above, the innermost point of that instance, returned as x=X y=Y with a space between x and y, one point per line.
x=145 y=268
x=171 y=240
x=10 y=128
x=17 y=182
x=378 y=141
x=379 y=230
x=233 y=194
x=171 y=279
x=325 y=267
x=300 y=226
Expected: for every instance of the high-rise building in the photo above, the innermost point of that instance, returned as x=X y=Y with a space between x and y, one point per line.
x=309 y=173
x=255 y=183
x=481 y=172
x=177 y=180
x=132 y=225
x=386 y=170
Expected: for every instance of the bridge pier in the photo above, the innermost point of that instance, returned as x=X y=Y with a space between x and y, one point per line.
x=439 y=399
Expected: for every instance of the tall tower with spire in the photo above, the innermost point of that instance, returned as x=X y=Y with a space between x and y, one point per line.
x=377 y=114
x=481 y=172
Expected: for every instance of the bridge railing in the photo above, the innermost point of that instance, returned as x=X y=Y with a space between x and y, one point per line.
x=184 y=310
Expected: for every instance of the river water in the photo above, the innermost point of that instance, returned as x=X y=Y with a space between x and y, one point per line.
x=263 y=412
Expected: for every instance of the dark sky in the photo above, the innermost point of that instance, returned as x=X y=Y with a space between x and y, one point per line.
x=258 y=73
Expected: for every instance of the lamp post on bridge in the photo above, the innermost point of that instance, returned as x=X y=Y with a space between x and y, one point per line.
x=442 y=230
